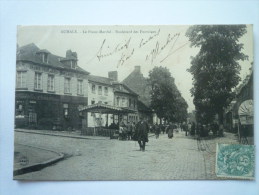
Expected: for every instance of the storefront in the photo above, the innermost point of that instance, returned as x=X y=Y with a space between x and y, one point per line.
x=48 y=111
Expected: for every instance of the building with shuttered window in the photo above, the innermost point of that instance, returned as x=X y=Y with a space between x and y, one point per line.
x=49 y=89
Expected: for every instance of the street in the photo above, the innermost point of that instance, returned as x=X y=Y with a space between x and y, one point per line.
x=164 y=159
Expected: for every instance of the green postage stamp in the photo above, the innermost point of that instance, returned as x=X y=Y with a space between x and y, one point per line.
x=235 y=161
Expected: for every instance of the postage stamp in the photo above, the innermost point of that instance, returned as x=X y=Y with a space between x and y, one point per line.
x=235 y=161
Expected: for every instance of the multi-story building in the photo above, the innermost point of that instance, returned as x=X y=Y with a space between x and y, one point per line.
x=49 y=89
x=126 y=99
x=108 y=91
x=100 y=90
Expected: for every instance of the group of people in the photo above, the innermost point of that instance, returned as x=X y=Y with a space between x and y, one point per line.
x=162 y=128
x=133 y=131
x=139 y=131
x=204 y=129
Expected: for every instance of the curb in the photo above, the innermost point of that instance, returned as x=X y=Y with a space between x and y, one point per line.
x=38 y=166
x=69 y=136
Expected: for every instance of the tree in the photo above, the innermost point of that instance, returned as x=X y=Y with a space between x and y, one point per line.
x=216 y=67
x=166 y=100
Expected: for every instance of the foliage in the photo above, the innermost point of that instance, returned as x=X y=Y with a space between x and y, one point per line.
x=215 y=68
x=166 y=100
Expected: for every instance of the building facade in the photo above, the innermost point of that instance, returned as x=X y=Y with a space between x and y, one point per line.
x=49 y=89
x=108 y=91
x=125 y=98
x=100 y=90
x=232 y=116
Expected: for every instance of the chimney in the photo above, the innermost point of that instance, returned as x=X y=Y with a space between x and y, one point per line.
x=71 y=55
x=113 y=75
x=137 y=69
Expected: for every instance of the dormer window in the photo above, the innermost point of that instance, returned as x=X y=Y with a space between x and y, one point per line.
x=73 y=64
x=44 y=55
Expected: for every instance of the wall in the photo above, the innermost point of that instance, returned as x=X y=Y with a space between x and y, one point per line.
x=59 y=79
x=94 y=118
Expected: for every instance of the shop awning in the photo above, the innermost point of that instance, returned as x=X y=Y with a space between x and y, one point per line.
x=105 y=109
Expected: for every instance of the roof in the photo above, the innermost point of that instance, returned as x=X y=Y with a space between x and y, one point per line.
x=244 y=83
x=142 y=107
x=29 y=53
x=43 y=51
x=121 y=88
x=106 y=109
x=99 y=79
x=139 y=84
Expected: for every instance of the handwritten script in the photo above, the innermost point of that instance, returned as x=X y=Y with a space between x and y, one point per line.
x=127 y=50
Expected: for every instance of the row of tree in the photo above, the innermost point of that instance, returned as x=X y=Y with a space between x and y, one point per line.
x=166 y=99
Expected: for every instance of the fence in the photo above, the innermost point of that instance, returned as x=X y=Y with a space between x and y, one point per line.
x=98 y=131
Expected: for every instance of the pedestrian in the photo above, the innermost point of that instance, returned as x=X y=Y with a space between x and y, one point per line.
x=142 y=133
x=129 y=131
x=185 y=128
x=193 y=128
x=162 y=128
x=157 y=130
x=198 y=131
x=189 y=127
x=170 y=130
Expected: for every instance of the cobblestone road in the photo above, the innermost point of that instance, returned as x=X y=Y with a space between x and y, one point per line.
x=164 y=159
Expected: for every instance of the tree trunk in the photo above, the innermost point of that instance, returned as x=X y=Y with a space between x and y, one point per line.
x=220 y=119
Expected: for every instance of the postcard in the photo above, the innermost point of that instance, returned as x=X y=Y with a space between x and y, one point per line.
x=133 y=102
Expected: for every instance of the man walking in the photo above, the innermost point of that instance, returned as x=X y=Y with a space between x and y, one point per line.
x=142 y=133
x=170 y=130
x=157 y=130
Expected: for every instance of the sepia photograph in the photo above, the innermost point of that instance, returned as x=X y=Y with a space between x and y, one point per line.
x=123 y=103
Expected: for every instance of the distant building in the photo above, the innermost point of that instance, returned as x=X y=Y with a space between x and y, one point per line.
x=49 y=89
x=191 y=117
x=243 y=93
x=139 y=84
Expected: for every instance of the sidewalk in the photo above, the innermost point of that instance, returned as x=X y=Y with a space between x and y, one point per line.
x=208 y=147
x=29 y=158
x=73 y=134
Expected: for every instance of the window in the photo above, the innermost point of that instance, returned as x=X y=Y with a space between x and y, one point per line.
x=93 y=88
x=118 y=101
x=123 y=102
x=130 y=102
x=105 y=90
x=32 y=117
x=73 y=64
x=80 y=87
x=19 y=108
x=45 y=57
x=65 y=106
x=100 y=90
x=38 y=81
x=21 y=79
x=92 y=102
x=50 y=82
x=67 y=85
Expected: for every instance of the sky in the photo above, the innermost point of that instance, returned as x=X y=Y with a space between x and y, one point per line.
x=101 y=49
